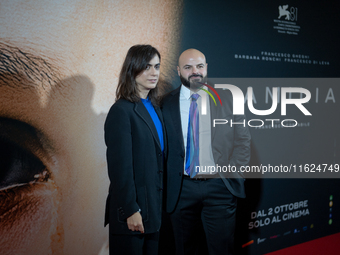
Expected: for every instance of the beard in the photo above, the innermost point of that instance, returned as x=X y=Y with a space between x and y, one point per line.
x=194 y=81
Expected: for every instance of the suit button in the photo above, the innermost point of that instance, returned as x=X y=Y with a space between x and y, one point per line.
x=159 y=189
x=159 y=154
x=180 y=173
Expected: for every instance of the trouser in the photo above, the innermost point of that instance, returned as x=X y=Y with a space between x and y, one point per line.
x=206 y=202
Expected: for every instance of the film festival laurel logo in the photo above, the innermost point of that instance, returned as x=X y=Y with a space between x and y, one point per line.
x=286 y=21
x=289 y=15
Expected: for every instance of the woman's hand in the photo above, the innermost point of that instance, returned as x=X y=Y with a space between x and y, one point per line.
x=135 y=223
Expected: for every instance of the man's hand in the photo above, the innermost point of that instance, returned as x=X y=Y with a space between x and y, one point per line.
x=135 y=223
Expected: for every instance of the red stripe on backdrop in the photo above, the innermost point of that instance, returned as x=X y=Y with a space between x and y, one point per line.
x=329 y=245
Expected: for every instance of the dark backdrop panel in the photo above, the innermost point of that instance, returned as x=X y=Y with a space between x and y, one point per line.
x=222 y=29
x=239 y=39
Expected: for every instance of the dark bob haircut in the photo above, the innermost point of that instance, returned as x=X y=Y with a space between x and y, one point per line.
x=136 y=61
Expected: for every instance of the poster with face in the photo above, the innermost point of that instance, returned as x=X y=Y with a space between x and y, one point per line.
x=59 y=67
x=59 y=64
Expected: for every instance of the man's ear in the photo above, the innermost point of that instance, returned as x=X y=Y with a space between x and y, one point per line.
x=207 y=66
x=179 y=73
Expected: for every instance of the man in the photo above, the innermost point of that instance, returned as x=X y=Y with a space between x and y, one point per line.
x=197 y=197
x=59 y=66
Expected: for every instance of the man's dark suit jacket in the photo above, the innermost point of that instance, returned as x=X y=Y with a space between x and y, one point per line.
x=135 y=167
x=230 y=145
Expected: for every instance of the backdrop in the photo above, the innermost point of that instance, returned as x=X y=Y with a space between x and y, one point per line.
x=290 y=39
x=59 y=63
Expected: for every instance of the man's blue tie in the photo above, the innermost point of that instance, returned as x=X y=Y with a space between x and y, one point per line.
x=192 y=154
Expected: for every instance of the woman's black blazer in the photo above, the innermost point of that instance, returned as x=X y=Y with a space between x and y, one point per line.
x=135 y=167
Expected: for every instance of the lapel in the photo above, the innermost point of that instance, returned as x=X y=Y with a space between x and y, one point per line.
x=176 y=116
x=143 y=113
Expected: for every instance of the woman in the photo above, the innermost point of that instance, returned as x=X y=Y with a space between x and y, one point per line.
x=134 y=136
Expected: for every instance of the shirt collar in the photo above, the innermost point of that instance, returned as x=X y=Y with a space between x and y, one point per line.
x=146 y=100
x=186 y=93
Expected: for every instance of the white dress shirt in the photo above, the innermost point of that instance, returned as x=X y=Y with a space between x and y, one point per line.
x=205 y=152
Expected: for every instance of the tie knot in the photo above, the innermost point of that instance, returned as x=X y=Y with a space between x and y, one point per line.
x=195 y=96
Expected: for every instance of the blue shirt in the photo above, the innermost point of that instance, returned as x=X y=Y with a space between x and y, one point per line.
x=148 y=105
